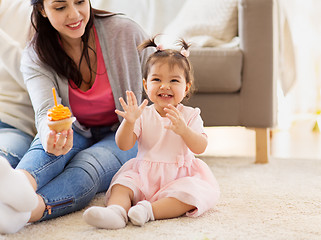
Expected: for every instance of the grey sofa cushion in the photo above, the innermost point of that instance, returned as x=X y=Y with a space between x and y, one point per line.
x=217 y=70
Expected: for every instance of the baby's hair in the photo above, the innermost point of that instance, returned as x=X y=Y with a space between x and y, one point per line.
x=172 y=57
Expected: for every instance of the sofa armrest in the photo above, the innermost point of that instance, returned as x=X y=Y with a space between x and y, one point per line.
x=257 y=32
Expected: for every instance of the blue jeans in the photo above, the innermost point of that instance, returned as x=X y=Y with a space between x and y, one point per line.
x=67 y=183
x=13 y=143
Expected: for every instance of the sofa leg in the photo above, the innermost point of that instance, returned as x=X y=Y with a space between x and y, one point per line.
x=262 y=145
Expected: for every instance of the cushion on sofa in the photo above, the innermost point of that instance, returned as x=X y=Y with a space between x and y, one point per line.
x=204 y=23
x=225 y=63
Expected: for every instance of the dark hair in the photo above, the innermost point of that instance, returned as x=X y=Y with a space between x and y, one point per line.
x=173 y=58
x=46 y=42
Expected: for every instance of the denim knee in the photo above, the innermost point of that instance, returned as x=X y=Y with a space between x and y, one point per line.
x=44 y=166
x=13 y=143
x=99 y=163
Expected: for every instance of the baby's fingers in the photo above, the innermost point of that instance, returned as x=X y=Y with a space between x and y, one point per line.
x=171 y=108
x=143 y=105
x=120 y=113
x=133 y=98
x=172 y=118
x=123 y=103
x=171 y=113
x=130 y=98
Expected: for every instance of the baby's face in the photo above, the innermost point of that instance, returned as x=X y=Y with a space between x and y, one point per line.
x=165 y=85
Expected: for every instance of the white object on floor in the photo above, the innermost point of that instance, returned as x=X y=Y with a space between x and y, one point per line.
x=11 y=221
x=15 y=188
x=111 y=217
x=141 y=213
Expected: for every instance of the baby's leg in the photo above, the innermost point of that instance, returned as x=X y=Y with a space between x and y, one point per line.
x=121 y=195
x=114 y=216
x=170 y=208
x=163 y=208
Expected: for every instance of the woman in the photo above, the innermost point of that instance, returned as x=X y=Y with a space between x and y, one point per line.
x=90 y=57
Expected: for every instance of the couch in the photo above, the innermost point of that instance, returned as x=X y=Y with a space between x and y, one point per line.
x=237 y=87
x=235 y=83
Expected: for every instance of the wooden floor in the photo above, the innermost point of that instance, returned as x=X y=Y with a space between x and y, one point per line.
x=299 y=141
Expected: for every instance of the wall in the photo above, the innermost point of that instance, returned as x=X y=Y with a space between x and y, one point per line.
x=150 y=14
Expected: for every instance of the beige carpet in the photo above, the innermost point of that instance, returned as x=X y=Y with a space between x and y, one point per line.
x=279 y=200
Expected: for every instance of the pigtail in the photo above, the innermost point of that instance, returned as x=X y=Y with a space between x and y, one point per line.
x=148 y=43
x=185 y=47
x=181 y=42
x=184 y=52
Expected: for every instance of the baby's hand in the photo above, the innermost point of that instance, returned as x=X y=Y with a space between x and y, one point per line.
x=131 y=110
x=178 y=124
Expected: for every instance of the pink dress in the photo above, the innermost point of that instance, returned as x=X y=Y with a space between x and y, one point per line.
x=165 y=167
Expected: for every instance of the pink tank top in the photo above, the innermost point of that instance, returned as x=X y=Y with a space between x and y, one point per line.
x=95 y=107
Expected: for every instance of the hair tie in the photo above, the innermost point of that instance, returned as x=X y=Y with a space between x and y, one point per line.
x=185 y=53
x=159 y=47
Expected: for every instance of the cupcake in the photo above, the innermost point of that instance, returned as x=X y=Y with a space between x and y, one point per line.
x=59 y=118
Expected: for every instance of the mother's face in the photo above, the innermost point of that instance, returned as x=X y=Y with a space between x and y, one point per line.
x=68 y=17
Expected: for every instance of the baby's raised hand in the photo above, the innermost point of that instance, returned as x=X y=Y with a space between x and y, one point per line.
x=178 y=124
x=131 y=109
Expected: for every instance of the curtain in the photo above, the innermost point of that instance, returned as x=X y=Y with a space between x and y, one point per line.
x=301 y=20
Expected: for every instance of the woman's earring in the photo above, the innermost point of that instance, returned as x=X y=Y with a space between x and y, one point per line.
x=43 y=13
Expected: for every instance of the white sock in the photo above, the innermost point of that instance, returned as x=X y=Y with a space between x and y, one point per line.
x=11 y=221
x=15 y=188
x=111 y=217
x=141 y=213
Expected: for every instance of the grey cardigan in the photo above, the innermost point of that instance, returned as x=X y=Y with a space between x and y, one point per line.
x=119 y=38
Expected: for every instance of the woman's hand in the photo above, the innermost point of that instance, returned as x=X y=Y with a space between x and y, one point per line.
x=60 y=144
x=131 y=110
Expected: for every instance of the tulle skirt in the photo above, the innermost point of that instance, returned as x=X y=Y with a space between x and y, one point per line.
x=189 y=180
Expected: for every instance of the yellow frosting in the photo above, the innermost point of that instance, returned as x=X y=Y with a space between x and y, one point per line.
x=58 y=112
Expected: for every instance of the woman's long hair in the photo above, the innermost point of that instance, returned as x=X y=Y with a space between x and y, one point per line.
x=46 y=42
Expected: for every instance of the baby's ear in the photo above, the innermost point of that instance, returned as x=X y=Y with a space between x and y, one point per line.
x=188 y=87
x=145 y=84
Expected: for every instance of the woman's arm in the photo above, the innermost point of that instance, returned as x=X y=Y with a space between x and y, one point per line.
x=40 y=80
